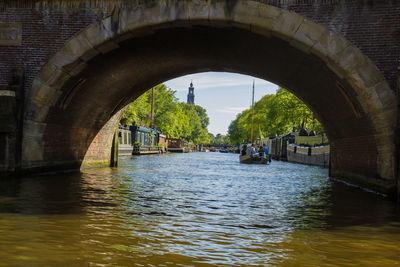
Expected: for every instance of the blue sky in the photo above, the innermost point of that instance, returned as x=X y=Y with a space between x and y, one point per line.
x=222 y=94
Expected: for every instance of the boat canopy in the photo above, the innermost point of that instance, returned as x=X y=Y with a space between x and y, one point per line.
x=145 y=129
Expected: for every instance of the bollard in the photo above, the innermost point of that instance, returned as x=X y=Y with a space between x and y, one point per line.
x=114 y=150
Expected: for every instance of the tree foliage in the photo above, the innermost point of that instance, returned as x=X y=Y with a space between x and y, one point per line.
x=273 y=115
x=219 y=139
x=177 y=120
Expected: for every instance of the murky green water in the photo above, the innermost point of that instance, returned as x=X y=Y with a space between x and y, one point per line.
x=198 y=209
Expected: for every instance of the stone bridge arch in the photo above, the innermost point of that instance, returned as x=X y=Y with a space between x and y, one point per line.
x=108 y=64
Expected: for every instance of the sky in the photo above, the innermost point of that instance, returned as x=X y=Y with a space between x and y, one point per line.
x=222 y=94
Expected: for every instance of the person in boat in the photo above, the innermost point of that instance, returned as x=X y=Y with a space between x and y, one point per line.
x=251 y=150
x=261 y=151
x=266 y=151
x=248 y=150
x=244 y=150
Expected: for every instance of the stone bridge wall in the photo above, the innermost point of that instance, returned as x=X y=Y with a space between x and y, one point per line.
x=374 y=26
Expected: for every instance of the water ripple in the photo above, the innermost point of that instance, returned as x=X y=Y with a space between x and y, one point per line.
x=198 y=209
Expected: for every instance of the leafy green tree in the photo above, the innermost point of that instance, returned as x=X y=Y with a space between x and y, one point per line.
x=198 y=121
x=273 y=115
x=177 y=120
x=202 y=113
x=138 y=112
x=219 y=139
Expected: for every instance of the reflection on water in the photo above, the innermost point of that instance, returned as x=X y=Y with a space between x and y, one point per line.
x=198 y=209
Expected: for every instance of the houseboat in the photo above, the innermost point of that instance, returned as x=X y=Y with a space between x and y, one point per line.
x=139 y=140
x=145 y=140
x=125 y=147
x=177 y=145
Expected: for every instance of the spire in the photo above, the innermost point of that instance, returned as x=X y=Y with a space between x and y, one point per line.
x=190 y=97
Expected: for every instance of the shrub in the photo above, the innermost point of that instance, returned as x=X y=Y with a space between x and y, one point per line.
x=138 y=145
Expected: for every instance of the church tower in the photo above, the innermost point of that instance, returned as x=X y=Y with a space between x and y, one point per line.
x=190 y=97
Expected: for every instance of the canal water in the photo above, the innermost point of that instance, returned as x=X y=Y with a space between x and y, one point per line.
x=197 y=209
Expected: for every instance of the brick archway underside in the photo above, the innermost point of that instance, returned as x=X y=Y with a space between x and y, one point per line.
x=109 y=64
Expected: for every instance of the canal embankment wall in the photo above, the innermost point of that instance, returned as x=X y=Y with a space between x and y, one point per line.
x=318 y=156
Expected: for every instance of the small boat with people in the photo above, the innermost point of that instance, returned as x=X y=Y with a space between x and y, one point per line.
x=256 y=160
x=249 y=154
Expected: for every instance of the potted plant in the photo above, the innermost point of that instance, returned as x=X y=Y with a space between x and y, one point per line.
x=137 y=145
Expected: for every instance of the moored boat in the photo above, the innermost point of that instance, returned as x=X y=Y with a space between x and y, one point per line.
x=259 y=159
x=247 y=159
x=139 y=140
x=177 y=145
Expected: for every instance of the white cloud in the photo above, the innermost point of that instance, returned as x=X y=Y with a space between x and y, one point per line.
x=231 y=110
